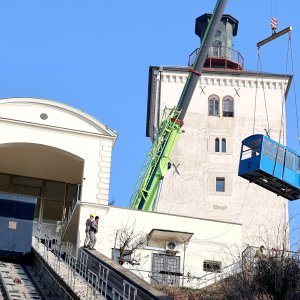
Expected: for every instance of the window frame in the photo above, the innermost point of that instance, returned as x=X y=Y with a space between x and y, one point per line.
x=220 y=179
x=230 y=99
x=165 y=268
x=215 y=99
x=217 y=145
x=223 y=145
x=207 y=263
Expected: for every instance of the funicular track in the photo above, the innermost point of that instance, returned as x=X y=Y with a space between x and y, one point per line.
x=16 y=283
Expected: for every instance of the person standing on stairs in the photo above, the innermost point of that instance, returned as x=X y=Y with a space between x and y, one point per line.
x=87 y=230
x=92 y=233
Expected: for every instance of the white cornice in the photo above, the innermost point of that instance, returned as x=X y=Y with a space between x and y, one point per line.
x=55 y=128
x=63 y=107
x=229 y=81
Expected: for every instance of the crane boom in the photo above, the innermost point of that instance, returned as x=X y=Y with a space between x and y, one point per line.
x=169 y=130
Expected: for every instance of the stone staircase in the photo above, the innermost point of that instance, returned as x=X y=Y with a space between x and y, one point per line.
x=88 y=276
x=70 y=271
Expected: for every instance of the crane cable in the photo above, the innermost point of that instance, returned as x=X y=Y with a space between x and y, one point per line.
x=281 y=130
x=259 y=71
x=256 y=84
x=283 y=97
x=276 y=6
x=297 y=121
x=295 y=93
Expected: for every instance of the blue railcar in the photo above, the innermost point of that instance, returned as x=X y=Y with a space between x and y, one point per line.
x=16 y=224
x=271 y=165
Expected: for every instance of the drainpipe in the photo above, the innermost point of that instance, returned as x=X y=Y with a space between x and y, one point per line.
x=183 y=267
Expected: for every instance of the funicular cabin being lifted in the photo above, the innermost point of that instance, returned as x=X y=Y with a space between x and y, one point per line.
x=270 y=165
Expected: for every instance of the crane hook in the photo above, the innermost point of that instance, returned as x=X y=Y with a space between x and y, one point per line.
x=274 y=24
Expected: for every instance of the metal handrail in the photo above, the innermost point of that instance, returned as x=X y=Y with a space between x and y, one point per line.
x=220 y=52
x=76 y=199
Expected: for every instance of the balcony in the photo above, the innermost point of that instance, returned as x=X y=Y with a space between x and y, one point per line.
x=220 y=57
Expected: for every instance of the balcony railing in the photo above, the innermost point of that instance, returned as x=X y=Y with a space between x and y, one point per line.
x=220 y=57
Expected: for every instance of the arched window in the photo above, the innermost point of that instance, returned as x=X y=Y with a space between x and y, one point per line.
x=213 y=103
x=228 y=106
x=223 y=145
x=217 y=145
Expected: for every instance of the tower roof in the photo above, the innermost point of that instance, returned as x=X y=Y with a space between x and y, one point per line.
x=202 y=22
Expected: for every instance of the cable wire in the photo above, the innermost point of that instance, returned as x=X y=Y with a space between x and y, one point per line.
x=256 y=84
x=264 y=93
x=294 y=89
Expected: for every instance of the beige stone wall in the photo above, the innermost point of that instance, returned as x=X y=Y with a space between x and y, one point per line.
x=190 y=189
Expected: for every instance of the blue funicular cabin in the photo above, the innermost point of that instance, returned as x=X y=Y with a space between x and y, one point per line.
x=270 y=165
x=16 y=225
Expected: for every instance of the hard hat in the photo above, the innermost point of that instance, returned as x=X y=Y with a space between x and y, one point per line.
x=92 y=215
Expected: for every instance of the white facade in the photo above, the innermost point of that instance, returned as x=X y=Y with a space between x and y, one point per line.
x=189 y=187
x=197 y=241
x=53 y=152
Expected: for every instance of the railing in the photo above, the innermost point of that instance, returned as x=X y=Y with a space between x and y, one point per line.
x=121 y=283
x=213 y=277
x=251 y=255
x=91 y=275
x=76 y=199
x=47 y=231
x=129 y=292
x=74 y=271
x=222 y=52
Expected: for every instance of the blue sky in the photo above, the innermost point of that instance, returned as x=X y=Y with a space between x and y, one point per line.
x=94 y=55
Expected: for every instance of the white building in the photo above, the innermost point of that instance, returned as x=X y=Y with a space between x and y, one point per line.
x=62 y=156
x=203 y=180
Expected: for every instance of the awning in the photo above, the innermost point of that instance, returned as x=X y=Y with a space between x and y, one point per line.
x=170 y=235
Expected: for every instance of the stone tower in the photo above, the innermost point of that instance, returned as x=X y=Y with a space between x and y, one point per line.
x=203 y=180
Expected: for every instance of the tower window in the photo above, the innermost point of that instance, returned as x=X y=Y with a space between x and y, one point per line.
x=217 y=47
x=217 y=145
x=220 y=184
x=228 y=106
x=223 y=145
x=213 y=105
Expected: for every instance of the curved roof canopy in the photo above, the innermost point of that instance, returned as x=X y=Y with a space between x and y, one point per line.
x=53 y=114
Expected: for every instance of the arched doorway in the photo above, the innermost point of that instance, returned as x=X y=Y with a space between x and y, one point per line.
x=51 y=175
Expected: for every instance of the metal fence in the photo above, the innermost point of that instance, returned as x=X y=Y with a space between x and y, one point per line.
x=251 y=256
x=220 y=52
x=74 y=271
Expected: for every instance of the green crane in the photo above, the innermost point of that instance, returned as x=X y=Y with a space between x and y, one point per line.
x=158 y=158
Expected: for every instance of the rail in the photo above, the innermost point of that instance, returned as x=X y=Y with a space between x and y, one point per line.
x=76 y=200
x=212 y=277
x=220 y=52
x=91 y=275
x=16 y=283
